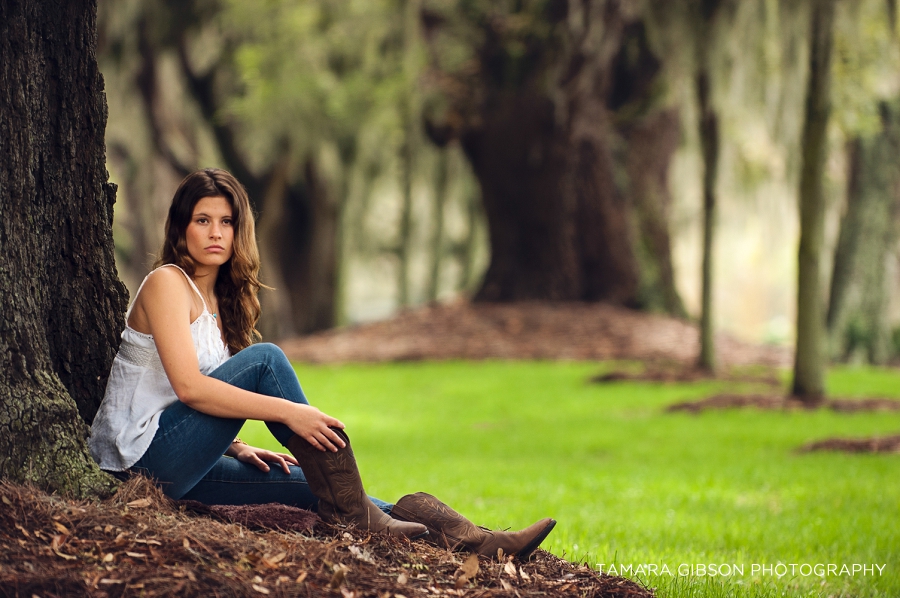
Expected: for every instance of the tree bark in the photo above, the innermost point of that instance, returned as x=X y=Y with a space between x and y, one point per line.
x=810 y=356
x=62 y=305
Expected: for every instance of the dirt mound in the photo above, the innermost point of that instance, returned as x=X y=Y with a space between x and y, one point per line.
x=536 y=330
x=781 y=402
x=673 y=373
x=140 y=543
x=886 y=444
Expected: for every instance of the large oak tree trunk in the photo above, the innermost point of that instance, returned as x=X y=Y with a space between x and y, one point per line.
x=559 y=230
x=61 y=304
x=549 y=135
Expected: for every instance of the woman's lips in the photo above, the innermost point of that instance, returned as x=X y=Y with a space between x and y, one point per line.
x=215 y=248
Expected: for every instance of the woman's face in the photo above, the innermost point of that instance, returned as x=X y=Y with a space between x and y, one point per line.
x=210 y=234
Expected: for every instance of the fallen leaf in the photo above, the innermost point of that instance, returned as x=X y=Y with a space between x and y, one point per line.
x=23 y=530
x=402 y=579
x=524 y=575
x=6 y=501
x=505 y=584
x=468 y=570
x=347 y=593
x=340 y=572
x=108 y=557
x=259 y=589
x=186 y=543
x=94 y=580
x=58 y=540
x=509 y=569
x=137 y=555
x=60 y=527
x=272 y=562
x=68 y=557
x=301 y=577
x=361 y=554
x=470 y=567
x=111 y=581
x=139 y=503
x=153 y=542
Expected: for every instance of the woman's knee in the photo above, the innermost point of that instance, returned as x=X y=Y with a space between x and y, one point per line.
x=265 y=351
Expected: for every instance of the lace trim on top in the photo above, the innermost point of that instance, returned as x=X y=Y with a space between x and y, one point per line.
x=141 y=356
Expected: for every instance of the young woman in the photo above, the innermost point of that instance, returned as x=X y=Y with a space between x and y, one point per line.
x=189 y=372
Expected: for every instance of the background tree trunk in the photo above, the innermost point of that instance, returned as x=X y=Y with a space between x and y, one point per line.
x=558 y=227
x=810 y=356
x=863 y=274
x=61 y=303
x=709 y=146
x=651 y=144
x=558 y=116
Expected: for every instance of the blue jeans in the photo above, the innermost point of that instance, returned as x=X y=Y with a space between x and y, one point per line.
x=187 y=455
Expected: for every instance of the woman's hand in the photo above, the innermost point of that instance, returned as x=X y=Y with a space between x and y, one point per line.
x=315 y=427
x=261 y=457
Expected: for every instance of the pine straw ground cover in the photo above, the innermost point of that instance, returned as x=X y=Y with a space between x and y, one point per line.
x=139 y=543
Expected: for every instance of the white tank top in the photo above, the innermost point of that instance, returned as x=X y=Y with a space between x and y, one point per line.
x=138 y=390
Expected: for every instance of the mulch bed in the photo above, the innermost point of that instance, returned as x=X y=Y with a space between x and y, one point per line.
x=528 y=330
x=884 y=444
x=140 y=543
x=673 y=372
x=780 y=402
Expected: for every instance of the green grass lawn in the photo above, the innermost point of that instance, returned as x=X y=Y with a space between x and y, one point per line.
x=509 y=442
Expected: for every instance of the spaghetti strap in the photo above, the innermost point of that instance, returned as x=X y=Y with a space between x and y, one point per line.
x=191 y=282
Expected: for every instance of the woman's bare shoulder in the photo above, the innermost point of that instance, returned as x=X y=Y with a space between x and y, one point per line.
x=166 y=280
x=167 y=287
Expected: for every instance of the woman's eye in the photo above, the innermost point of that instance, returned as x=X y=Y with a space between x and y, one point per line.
x=201 y=220
x=227 y=222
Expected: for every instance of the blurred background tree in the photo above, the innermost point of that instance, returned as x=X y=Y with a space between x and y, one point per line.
x=403 y=151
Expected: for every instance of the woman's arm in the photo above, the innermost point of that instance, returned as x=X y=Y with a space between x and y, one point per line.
x=165 y=305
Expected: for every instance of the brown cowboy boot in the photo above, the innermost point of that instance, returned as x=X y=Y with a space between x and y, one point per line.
x=334 y=479
x=449 y=529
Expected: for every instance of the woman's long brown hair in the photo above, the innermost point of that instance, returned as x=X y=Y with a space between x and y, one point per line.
x=237 y=284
